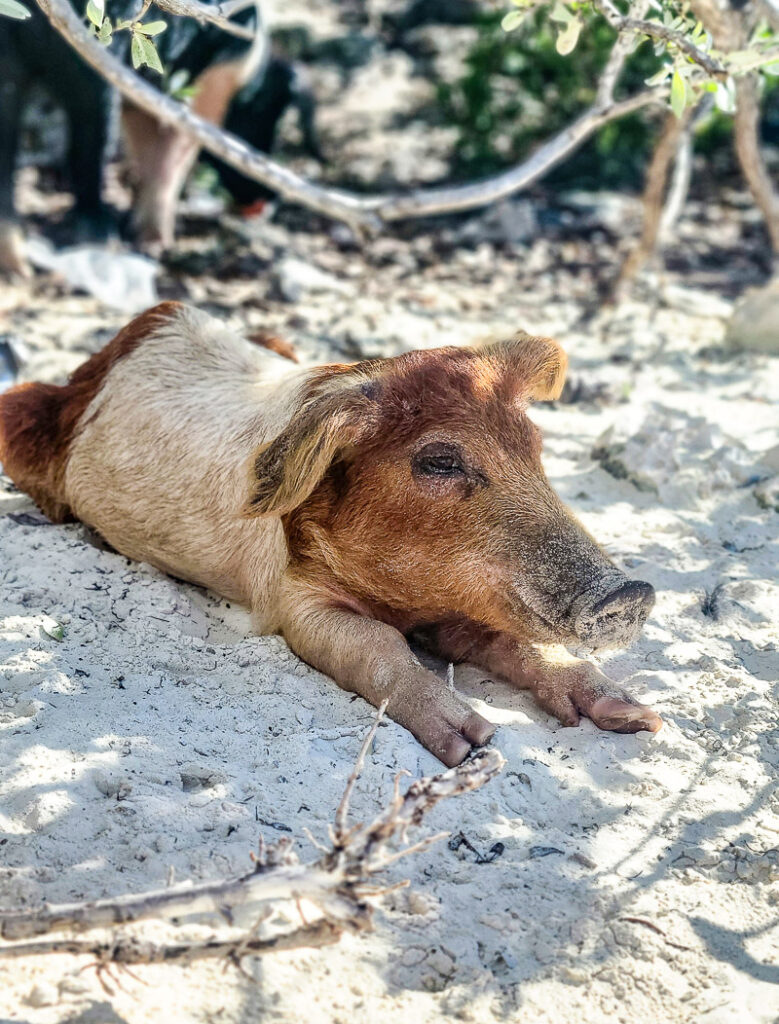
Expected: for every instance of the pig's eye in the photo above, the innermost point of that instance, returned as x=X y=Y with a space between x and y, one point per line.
x=438 y=461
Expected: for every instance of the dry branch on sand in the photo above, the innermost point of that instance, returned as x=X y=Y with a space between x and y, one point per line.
x=337 y=885
x=364 y=213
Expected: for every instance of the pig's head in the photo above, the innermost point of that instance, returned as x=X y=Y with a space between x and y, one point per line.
x=414 y=487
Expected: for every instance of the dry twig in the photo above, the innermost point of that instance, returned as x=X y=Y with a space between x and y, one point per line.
x=337 y=884
x=214 y=14
x=657 y=930
x=655 y=30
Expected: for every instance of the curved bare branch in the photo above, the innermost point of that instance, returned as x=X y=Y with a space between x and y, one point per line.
x=364 y=213
x=426 y=202
x=214 y=14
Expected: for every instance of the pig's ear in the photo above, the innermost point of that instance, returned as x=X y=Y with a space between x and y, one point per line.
x=535 y=366
x=286 y=470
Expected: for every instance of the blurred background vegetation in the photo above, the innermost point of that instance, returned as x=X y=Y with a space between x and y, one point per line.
x=517 y=90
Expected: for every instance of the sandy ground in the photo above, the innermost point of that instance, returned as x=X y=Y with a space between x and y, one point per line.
x=639 y=875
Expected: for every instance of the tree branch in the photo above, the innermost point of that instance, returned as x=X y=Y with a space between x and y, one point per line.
x=364 y=213
x=655 y=30
x=130 y=949
x=731 y=29
x=336 y=884
x=213 y=14
x=426 y=202
x=746 y=135
x=619 y=54
x=663 y=157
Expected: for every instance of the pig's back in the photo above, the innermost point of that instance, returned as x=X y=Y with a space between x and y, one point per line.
x=159 y=465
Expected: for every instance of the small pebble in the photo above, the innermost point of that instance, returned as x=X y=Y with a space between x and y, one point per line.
x=74 y=984
x=440 y=962
x=43 y=995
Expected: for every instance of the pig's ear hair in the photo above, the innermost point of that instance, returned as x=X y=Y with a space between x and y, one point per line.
x=535 y=365
x=286 y=470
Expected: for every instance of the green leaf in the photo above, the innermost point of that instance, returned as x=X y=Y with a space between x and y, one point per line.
x=143 y=52
x=178 y=80
x=96 y=12
x=11 y=9
x=106 y=33
x=152 y=28
x=561 y=14
x=568 y=37
x=136 y=52
x=512 y=20
x=53 y=629
x=741 y=58
x=725 y=97
x=180 y=87
x=700 y=37
x=659 y=76
x=678 y=94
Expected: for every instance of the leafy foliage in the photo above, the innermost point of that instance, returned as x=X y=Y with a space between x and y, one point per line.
x=143 y=52
x=525 y=84
x=518 y=90
x=677 y=36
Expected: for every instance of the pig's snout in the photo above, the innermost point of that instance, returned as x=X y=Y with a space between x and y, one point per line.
x=615 y=619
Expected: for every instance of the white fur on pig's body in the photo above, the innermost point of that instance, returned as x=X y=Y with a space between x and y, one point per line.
x=160 y=466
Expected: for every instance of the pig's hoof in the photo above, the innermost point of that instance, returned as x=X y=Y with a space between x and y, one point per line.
x=453 y=742
x=619 y=715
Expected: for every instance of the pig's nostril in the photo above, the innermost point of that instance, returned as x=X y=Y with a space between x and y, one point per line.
x=619 y=616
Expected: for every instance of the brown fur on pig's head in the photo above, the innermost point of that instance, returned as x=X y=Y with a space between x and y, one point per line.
x=530 y=369
x=413 y=486
x=347 y=402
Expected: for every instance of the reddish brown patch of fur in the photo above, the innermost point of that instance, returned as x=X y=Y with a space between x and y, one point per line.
x=38 y=421
x=216 y=87
x=364 y=505
x=274 y=343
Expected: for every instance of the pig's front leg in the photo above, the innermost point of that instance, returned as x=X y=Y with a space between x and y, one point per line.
x=563 y=685
x=373 y=660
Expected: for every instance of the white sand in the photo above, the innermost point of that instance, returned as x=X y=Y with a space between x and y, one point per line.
x=158 y=733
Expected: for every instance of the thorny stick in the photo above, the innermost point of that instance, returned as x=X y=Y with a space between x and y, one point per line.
x=336 y=884
x=657 y=930
x=343 y=807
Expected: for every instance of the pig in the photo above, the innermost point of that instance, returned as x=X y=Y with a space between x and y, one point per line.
x=160 y=157
x=32 y=52
x=351 y=507
x=236 y=84
x=254 y=115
